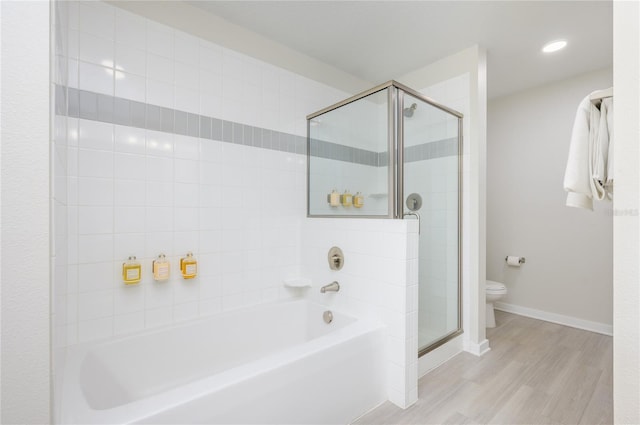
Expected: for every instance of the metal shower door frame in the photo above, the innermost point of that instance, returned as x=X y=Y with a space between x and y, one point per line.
x=395 y=166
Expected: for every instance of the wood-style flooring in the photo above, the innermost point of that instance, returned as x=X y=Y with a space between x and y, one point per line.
x=536 y=373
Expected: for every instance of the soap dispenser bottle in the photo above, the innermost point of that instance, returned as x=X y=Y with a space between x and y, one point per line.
x=161 y=268
x=346 y=199
x=334 y=198
x=131 y=271
x=188 y=266
x=358 y=200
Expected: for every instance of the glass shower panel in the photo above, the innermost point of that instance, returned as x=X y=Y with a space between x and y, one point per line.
x=348 y=159
x=431 y=188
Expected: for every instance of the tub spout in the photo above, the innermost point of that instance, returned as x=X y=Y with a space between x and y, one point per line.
x=332 y=287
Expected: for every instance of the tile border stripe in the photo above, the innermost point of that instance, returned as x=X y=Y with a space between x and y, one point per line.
x=89 y=105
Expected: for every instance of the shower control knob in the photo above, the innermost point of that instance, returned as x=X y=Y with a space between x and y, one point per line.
x=336 y=258
x=414 y=202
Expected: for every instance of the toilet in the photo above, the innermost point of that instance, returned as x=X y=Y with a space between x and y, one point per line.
x=494 y=291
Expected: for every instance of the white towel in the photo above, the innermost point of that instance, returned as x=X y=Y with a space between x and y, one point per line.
x=606 y=115
x=589 y=172
x=599 y=151
x=577 y=176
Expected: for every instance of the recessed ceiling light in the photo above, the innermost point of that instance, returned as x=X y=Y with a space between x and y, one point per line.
x=554 y=46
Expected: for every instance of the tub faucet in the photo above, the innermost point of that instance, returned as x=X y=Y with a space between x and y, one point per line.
x=332 y=287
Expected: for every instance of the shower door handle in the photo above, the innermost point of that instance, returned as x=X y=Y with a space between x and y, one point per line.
x=417 y=216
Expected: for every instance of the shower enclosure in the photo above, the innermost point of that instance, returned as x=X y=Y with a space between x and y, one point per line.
x=390 y=152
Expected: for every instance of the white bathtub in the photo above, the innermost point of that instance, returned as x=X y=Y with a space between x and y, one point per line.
x=275 y=363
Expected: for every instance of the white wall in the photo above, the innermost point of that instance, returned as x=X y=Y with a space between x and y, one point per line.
x=626 y=274
x=568 y=251
x=25 y=353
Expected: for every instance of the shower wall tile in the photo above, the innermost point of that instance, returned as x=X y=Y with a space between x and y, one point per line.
x=128 y=323
x=186 y=74
x=186 y=48
x=130 y=86
x=130 y=59
x=379 y=281
x=88 y=105
x=187 y=99
x=130 y=29
x=96 y=50
x=105 y=106
x=160 y=68
x=160 y=93
x=89 y=330
x=94 y=135
x=95 y=78
x=97 y=18
x=159 y=39
x=72 y=44
x=166 y=136
x=93 y=191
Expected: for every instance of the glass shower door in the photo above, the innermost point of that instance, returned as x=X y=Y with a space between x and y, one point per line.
x=431 y=190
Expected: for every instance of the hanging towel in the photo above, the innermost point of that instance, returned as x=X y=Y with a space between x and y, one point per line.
x=577 y=176
x=606 y=116
x=599 y=152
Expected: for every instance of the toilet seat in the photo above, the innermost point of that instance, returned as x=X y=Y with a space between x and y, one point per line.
x=496 y=288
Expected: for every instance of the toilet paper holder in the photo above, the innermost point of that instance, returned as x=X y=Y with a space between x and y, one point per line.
x=521 y=260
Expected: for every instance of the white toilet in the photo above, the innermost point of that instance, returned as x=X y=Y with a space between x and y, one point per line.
x=495 y=291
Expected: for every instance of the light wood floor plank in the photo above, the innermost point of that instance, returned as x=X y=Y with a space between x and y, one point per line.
x=536 y=373
x=458 y=419
x=495 y=392
x=600 y=408
x=524 y=407
x=572 y=398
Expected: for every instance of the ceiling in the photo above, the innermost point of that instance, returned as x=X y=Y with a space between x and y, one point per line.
x=381 y=40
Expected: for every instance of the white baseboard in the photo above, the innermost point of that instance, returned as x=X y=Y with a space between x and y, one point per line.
x=560 y=319
x=479 y=349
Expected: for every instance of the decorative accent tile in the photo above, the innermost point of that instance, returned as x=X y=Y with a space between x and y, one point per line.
x=104 y=108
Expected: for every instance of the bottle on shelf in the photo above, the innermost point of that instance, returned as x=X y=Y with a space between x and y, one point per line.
x=358 y=200
x=333 y=198
x=346 y=199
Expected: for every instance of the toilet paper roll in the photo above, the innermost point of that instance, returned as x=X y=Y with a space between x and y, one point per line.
x=514 y=261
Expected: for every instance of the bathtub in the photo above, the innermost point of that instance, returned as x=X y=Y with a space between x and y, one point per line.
x=276 y=363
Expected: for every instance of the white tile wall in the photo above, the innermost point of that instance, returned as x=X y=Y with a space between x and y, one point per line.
x=139 y=192
x=379 y=281
x=96 y=18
